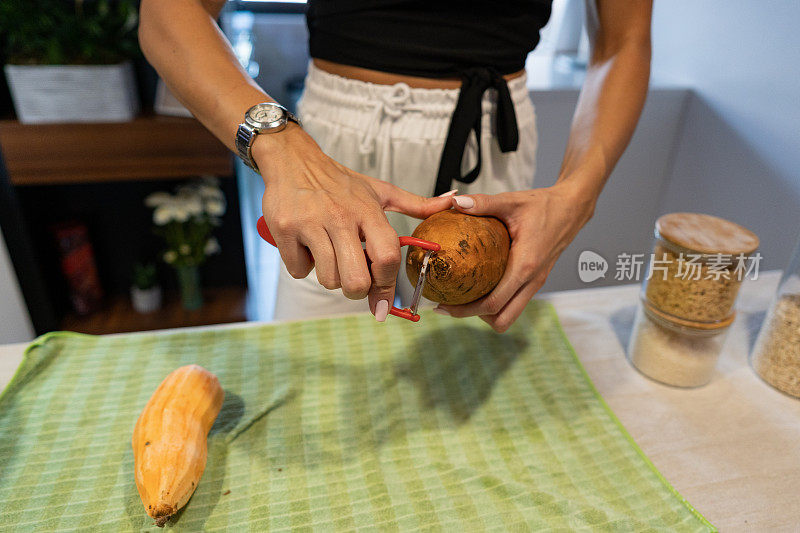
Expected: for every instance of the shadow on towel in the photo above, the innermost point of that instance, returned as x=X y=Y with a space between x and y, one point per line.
x=455 y=368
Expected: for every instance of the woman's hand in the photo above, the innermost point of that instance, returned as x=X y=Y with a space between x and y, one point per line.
x=541 y=223
x=319 y=212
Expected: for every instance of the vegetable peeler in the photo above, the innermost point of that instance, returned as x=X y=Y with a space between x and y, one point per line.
x=409 y=313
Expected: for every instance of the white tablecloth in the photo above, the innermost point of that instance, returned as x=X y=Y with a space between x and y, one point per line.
x=731 y=448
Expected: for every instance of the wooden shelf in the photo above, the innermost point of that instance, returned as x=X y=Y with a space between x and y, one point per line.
x=221 y=306
x=149 y=147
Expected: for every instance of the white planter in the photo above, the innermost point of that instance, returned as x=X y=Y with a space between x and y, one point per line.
x=167 y=104
x=146 y=301
x=73 y=93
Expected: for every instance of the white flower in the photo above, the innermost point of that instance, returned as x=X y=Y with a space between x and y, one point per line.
x=215 y=208
x=174 y=210
x=208 y=192
x=162 y=216
x=208 y=188
x=192 y=205
x=212 y=246
x=170 y=256
x=185 y=249
x=157 y=198
x=180 y=214
x=211 y=191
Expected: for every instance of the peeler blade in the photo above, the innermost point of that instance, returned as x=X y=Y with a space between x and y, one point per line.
x=420 y=282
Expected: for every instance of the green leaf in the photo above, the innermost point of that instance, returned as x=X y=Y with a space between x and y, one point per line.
x=64 y=32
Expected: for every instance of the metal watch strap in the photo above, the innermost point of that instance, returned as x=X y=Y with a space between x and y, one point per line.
x=245 y=136
x=290 y=116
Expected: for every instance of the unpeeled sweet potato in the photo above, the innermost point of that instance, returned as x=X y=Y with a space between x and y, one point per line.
x=472 y=259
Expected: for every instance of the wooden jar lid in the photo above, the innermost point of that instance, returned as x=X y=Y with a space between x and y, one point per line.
x=706 y=234
x=678 y=321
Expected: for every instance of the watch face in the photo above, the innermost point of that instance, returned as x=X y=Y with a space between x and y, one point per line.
x=265 y=114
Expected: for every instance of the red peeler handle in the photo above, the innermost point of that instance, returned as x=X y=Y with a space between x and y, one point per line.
x=263 y=231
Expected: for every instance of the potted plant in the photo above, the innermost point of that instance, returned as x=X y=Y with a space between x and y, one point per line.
x=69 y=60
x=145 y=292
x=186 y=221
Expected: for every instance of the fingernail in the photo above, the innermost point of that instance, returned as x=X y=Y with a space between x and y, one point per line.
x=464 y=202
x=381 y=310
x=449 y=193
x=441 y=311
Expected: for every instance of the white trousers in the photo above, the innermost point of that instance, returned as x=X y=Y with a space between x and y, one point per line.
x=396 y=133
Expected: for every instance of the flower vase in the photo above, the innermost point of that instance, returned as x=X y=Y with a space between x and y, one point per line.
x=189 y=281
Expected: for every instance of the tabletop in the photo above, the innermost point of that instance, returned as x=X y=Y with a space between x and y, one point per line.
x=731 y=448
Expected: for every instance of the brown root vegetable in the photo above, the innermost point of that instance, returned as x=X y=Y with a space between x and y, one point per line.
x=170 y=439
x=472 y=259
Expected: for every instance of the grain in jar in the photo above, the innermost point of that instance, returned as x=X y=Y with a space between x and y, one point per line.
x=776 y=352
x=698 y=264
x=678 y=353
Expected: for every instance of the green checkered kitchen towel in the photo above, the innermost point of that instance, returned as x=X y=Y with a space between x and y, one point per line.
x=336 y=424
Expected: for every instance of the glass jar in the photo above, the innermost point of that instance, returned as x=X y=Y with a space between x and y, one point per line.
x=776 y=352
x=675 y=352
x=698 y=264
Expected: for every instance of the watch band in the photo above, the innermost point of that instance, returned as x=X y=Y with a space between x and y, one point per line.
x=291 y=116
x=245 y=136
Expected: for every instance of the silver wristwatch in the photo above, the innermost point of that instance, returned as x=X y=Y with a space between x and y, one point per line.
x=268 y=117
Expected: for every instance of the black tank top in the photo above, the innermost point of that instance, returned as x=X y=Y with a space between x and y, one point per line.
x=430 y=38
x=478 y=41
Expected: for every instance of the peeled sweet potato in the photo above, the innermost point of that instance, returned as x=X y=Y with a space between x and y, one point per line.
x=170 y=439
x=472 y=259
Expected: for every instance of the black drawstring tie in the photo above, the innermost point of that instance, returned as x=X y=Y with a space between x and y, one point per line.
x=467 y=117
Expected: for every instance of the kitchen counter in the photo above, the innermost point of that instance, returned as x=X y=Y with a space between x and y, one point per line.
x=731 y=448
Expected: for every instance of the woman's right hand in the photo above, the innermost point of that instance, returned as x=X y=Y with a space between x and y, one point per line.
x=314 y=204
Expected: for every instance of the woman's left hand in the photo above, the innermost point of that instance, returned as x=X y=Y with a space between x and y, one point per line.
x=541 y=223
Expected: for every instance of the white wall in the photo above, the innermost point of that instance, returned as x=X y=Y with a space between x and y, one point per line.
x=15 y=324
x=630 y=202
x=739 y=150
